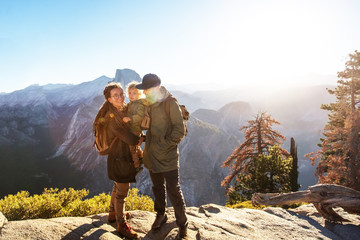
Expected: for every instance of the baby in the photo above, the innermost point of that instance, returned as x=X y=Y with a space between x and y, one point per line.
x=135 y=112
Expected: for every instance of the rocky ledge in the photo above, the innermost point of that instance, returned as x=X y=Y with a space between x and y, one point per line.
x=208 y=222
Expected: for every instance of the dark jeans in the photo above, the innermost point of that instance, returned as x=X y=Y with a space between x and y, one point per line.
x=174 y=192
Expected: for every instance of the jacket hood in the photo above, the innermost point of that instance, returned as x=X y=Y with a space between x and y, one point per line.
x=158 y=97
x=164 y=94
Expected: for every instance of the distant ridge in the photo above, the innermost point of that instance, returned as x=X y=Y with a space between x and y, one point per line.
x=48 y=131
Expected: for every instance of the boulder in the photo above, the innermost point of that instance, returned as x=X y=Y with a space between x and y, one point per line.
x=208 y=222
x=3 y=220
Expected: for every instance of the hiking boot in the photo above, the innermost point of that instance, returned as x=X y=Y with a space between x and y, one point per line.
x=159 y=221
x=125 y=230
x=112 y=217
x=182 y=234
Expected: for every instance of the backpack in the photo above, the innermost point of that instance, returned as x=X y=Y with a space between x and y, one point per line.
x=185 y=113
x=145 y=122
x=100 y=133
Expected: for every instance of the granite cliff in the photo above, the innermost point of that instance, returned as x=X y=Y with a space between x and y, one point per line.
x=208 y=222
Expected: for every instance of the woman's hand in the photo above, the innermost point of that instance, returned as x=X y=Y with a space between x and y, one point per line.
x=126 y=119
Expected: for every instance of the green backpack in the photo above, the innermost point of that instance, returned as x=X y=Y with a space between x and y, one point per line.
x=145 y=123
x=185 y=113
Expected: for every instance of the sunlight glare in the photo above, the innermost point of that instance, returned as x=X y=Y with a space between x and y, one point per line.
x=273 y=41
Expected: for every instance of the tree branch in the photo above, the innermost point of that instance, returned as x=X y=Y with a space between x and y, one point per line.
x=324 y=197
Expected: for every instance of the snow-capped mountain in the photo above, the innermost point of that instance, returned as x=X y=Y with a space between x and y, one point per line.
x=46 y=138
x=58 y=118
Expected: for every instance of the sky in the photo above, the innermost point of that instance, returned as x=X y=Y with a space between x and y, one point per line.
x=205 y=44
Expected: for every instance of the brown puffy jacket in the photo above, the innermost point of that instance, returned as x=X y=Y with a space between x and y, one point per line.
x=119 y=162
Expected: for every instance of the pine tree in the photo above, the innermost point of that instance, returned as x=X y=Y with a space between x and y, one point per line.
x=294 y=173
x=266 y=174
x=340 y=149
x=247 y=160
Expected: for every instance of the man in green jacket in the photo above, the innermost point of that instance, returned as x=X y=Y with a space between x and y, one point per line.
x=161 y=153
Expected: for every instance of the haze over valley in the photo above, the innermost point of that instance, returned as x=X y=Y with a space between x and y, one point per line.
x=46 y=134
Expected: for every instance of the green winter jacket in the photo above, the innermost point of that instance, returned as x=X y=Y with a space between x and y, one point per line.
x=136 y=111
x=161 y=153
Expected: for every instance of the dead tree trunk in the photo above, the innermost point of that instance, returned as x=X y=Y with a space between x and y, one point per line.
x=324 y=197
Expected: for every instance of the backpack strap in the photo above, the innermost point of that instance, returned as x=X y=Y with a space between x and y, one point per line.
x=167 y=107
x=167 y=111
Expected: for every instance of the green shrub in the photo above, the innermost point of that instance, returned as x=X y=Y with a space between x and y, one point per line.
x=79 y=208
x=245 y=204
x=135 y=202
x=65 y=203
x=248 y=204
x=291 y=206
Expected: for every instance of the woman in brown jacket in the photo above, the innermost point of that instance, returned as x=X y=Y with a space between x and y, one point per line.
x=119 y=162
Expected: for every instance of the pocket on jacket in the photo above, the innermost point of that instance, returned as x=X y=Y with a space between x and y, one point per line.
x=167 y=144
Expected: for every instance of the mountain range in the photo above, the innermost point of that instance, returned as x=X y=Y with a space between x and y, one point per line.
x=46 y=135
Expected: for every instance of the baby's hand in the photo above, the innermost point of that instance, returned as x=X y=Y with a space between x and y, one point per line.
x=126 y=119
